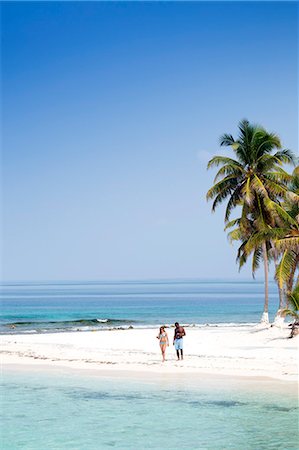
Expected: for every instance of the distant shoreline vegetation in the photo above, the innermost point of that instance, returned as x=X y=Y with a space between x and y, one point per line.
x=267 y=199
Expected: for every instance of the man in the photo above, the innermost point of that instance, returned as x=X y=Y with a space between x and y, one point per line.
x=179 y=332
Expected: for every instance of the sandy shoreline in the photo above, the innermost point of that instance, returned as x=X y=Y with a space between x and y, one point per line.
x=237 y=351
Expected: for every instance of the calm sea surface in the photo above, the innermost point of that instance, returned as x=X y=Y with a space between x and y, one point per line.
x=69 y=411
x=44 y=307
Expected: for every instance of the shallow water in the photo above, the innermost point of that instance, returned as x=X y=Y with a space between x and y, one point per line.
x=65 y=410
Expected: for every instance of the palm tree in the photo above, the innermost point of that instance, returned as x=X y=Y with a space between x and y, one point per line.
x=248 y=232
x=281 y=236
x=288 y=243
x=293 y=309
x=279 y=239
x=253 y=179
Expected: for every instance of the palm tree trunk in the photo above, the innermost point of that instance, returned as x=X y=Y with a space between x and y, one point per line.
x=291 y=279
x=279 y=317
x=265 y=316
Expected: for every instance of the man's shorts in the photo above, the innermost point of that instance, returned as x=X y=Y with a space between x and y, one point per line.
x=178 y=344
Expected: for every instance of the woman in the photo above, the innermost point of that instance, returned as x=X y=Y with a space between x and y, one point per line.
x=163 y=338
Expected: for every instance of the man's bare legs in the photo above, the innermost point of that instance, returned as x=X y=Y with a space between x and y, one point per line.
x=178 y=354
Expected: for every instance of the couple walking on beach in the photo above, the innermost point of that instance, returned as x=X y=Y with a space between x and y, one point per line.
x=179 y=333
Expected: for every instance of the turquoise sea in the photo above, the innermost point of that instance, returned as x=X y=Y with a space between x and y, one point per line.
x=64 y=410
x=61 y=409
x=50 y=307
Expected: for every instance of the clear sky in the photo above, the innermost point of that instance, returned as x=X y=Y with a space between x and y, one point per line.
x=110 y=114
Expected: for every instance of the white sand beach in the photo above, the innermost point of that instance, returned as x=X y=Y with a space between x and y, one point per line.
x=248 y=351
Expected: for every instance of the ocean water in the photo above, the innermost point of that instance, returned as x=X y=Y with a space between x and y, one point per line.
x=62 y=409
x=50 y=307
x=79 y=412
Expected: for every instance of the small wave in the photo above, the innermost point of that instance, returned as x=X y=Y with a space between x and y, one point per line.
x=65 y=323
x=92 y=324
x=203 y=325
x=228 y=324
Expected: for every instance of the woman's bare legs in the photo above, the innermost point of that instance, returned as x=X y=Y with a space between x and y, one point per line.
x=163 y=349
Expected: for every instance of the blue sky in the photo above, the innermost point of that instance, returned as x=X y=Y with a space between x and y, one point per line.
x=110 y=114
